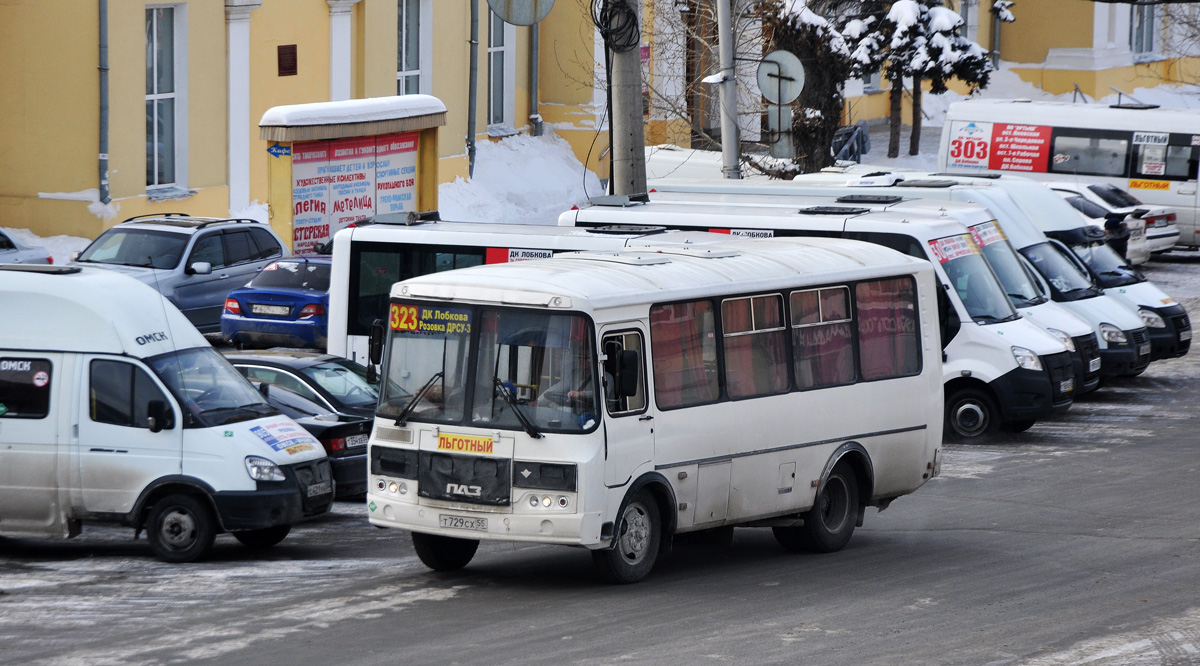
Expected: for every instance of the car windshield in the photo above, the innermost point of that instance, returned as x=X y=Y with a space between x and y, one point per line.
x=1063 y=275
x=972 y=279
x=1110 y=269
x=1014 y=278
x=1089 y=209
x=1114 y=196
x=136 y=247
x=299 y=274
x=344 y=380
x=533 y=371
x=208 y=388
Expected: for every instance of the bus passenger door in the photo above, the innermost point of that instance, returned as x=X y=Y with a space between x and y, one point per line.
x=629 y=416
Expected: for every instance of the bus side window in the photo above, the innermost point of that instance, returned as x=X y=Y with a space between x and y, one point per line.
x=755 y=345
x=1165 y=162
x=1094 y=153
x=683 y=341
x=888 y=331
x=615 y=345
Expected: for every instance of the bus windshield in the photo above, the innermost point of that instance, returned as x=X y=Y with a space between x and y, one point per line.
x=973 y=279
x=1000 y=255
x=1064 y=276
x=490 y=367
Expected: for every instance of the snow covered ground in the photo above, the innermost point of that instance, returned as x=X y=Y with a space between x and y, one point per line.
x=530 y=180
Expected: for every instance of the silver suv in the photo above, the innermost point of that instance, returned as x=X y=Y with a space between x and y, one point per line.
x=193 y=261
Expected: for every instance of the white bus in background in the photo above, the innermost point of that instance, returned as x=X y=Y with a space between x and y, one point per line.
x=1022 y=289
x=1000 y=371
x=1120 y=330
x=377 y=253
x=611 y=400
x=1149 y=151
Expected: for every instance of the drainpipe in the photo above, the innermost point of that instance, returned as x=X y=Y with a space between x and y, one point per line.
x=535 y=115
x=103 y=67
x=995 y=41
x=472 y=84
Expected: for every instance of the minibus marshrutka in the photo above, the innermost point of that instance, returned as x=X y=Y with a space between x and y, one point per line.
x=1121 y=333
x=371 y=256
x=1000 y=371
x=114 y=409
x=1150 y=151
x=611 y=400
x=1022 y=289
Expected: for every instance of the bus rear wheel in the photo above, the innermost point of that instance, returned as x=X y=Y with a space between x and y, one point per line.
x=635 y=547
x=829 y=524
x=442 y=553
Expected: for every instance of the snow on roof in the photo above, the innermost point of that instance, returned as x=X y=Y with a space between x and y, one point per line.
x=352 y=111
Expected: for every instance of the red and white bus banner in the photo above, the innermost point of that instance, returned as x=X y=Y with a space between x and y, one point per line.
x=999 y=146
x=987 y=233
x=953 y=247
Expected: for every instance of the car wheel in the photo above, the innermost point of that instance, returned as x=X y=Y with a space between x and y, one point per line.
x=264 y=538
x=442 y=553
x=180 y=528
x=971 y=414
x=636 y=545
x=830 y=523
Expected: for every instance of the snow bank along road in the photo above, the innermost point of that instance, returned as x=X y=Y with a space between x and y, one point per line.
x=1077 y=542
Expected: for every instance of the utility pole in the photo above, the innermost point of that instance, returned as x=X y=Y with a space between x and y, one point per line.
x=629 y=138
x=731 y=142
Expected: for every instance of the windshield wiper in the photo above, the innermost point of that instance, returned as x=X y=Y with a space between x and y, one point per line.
x=512 y=401
x=417 y=397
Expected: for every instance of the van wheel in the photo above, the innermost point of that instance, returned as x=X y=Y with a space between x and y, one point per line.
x=264 y=538
x=971 y=414
x=635 y=548
x=829 y=524
x=180 y=528
x=442 y=553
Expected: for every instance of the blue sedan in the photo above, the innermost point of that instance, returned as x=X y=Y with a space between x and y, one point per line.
x=284 y=305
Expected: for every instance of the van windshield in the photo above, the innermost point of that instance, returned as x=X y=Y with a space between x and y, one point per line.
x=1065 y=278
x=490 y=367
x=1110 y=269
x=136 y=247
x=972 y=279
x=208 y=388
x=1000 y=255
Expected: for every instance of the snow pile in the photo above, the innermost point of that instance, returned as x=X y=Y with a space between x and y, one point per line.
x=60 y=247
x=521 y=179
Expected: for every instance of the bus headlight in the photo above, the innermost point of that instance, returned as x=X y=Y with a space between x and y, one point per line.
x=1151 y=318
x=1027 y=359
x=1113 y=334
x=1067 y=340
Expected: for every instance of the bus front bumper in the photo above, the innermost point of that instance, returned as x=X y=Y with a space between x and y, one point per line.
x=571 y=529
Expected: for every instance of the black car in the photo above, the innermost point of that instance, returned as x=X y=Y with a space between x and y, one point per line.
x=338 y=384
x=327 y=395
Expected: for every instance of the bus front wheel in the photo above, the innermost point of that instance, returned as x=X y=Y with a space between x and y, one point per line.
x=442 y=553
x=636 y=543
x=830 y=522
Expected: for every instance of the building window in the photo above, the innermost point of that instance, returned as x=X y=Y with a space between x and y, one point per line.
x=164 y=103
x=408 y=53
x=501 y=39
x=1142 y=27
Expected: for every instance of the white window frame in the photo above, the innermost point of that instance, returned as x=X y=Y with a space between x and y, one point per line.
x=180 y=61
x=424 y=32
x=505 y=123
x=1148 y=33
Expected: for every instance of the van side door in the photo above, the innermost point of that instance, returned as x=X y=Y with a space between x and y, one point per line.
x=34 y=410
x=118 y=451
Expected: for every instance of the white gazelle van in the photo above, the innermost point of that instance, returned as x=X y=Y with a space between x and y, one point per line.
x=114 y=409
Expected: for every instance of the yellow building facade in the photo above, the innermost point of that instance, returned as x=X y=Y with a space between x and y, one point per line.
x=170 y=124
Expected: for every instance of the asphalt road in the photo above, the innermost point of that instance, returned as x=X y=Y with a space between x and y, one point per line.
x=1077 y=542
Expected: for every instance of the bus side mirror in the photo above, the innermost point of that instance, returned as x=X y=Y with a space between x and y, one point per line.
x=375 y=342
x=265 y=389
x=158 y=416
x=948 y=320
x=627 y=373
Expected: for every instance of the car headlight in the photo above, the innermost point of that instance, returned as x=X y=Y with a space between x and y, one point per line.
x=1026 y=358
x=1151 y=318
x=1113 y=334
x=1062 y=336
x=261 y=469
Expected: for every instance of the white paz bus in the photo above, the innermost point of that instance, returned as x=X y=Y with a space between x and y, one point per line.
x=611 y=400
x=1149 y=151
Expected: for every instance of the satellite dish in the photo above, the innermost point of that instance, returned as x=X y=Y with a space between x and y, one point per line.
x=780 y=77
x=521 y=12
